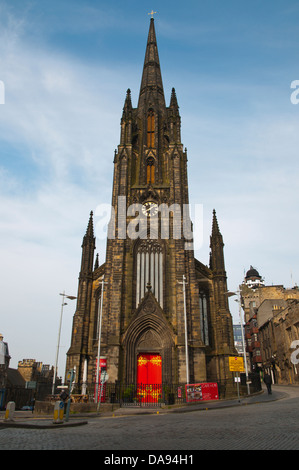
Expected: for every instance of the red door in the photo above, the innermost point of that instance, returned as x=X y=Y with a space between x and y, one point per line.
x=149 y=377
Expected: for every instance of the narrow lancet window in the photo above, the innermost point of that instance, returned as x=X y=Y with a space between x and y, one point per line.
x=151 y=130
x=150 y=171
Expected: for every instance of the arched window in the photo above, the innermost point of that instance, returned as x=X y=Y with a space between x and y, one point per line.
x=151 y=130
x=150 y=170
x=149 y=269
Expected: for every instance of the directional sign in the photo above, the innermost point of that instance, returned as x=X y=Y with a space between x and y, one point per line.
x=71 y=375
x=236 y=364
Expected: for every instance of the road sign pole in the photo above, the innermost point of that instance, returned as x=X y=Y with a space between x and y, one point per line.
x=243 y=343
x=71 y=375
x=238 y=387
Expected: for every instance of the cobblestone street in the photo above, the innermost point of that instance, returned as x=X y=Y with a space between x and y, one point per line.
x=263 y=425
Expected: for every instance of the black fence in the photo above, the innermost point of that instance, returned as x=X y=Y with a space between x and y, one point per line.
x=155 y=395
x=151 y=394
x=126 y=395
x=130 y=395
x=23 y=396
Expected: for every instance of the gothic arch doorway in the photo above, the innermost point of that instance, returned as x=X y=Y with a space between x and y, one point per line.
x=148 y=333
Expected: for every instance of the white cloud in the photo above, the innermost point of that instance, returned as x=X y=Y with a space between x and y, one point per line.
x=61 y=115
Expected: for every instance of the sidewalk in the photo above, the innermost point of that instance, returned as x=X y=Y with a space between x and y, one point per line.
x=25 y=419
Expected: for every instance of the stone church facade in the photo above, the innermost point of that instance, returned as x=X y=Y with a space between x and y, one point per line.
x=151 y=297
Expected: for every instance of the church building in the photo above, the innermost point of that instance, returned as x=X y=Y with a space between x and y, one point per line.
x=153 y=312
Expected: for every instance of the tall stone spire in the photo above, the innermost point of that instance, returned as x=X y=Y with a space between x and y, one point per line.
x=89 y=231
x=215 y=227
x=216 y=245
x=88 y=247
x=151 y=88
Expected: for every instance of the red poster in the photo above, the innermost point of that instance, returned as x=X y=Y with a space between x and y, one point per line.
x=103 y=366
x=149 y=377
x=201 y=392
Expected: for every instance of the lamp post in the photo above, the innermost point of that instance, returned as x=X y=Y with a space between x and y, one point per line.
x=186 y=331
x=238 y=294
x=100 y=314
x=63 y=303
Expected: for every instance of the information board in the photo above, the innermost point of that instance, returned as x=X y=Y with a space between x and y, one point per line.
x=201 y=392
x=236 y=364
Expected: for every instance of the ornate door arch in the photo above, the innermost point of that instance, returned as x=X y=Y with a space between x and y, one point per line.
x=148 y=333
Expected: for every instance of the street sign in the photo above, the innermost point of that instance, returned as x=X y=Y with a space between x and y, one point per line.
x=71 y=375
x=236 y=364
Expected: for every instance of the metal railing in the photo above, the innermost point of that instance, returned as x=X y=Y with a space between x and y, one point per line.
x=156 y=395
x=23 y=396
x=125 y=394
x=151 y=395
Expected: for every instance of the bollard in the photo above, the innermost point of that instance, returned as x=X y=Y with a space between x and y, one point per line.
x=58 y=412
x=10 y=411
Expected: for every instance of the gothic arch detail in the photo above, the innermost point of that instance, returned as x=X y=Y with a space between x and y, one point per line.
x=148 y=332
x=150 y=170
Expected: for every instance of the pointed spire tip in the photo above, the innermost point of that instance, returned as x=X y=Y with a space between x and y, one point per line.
x=215 y=226
x=151 y=82
x=89 y=230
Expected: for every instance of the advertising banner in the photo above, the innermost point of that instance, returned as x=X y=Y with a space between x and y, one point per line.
x=201 y=392
x=103 y=366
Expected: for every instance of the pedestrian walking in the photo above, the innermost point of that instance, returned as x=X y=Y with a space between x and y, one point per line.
x=268 y=382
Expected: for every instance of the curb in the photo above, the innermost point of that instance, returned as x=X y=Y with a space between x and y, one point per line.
x=14 y=424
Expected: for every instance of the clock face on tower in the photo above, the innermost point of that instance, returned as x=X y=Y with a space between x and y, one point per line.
x=150 y=208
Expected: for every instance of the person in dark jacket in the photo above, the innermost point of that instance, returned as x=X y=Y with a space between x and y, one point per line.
x=268 y=382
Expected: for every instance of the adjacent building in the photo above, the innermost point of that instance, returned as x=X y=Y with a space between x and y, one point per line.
x=4 y=362
x=33 y=371
x=278 y=323
x=30 y=379
x=271 y=326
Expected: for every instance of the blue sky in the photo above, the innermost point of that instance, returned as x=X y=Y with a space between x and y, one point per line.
x=66 y=67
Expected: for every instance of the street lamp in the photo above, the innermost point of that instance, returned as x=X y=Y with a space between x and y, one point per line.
x=238 y=294
x=71 y=297
x=186 y=330
x=100 y=315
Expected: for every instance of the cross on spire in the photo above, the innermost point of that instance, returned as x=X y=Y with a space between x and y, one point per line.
x=152 y=13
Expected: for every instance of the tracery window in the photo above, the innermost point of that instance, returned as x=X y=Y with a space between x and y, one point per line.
x=149 y=269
